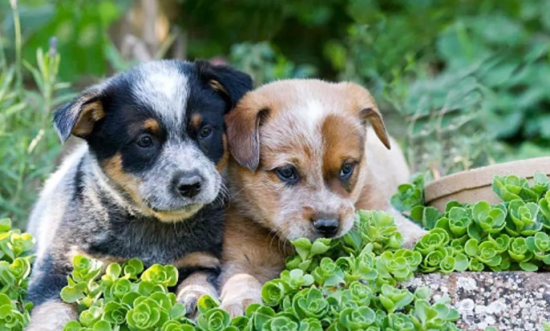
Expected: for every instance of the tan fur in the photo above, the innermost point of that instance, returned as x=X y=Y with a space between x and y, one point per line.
x=113 y=169
x=344 y=142
x=152 y=125
x=222 y=163
x=196 y=121
x=217 y=86
x=259 y=257
x=51 y=316
x=197 y=259
x=89 y=115
x=260 y=251
x=243 y=289
x=316 y=127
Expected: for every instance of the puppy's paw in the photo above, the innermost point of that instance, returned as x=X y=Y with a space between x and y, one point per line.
x=189 y=296
x=51 y=316
x=237 y=305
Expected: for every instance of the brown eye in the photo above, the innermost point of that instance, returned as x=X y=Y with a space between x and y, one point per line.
x=205 y=132
x=346 y=171
x=145 y=141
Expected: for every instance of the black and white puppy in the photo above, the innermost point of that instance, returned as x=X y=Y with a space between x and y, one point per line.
x=146 y=184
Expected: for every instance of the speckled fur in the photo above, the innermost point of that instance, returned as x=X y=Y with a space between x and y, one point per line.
x=113 y=200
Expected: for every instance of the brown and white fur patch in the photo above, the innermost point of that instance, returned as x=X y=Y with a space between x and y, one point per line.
x=293 y=144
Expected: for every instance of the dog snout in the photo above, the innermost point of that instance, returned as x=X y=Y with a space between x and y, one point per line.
x=326 y=227
x=188 y=184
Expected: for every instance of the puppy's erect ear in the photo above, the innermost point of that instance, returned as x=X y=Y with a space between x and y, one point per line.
x=368 y=110
x=232 y=84
x=79 y=116
x=243 y=133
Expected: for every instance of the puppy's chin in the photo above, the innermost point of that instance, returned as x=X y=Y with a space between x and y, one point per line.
x=177 y=215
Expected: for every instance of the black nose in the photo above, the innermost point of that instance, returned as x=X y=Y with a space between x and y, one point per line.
x=326 y=227
x=189 y=185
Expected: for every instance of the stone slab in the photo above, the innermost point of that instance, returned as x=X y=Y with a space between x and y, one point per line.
x=509 y=301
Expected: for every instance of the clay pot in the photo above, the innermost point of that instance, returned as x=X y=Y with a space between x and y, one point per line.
x=476 y=185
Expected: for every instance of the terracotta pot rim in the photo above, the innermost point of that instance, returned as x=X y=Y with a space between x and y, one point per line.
x=482 y=177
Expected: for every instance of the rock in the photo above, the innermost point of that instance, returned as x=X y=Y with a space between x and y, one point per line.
x=509 y=301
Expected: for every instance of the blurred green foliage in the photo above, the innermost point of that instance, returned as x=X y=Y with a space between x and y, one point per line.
x=80 y=28
x=467 y=78
x=463 y=83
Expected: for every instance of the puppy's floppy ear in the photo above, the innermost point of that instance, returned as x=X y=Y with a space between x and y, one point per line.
x=79 y=116
x=243 y=133
x=373 y=115
x=232 y=84
x=368 y=110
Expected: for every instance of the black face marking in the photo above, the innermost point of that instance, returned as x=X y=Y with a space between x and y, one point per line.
x=122 y=131
x=211 y=107
x=119 y=131
x=163 y=118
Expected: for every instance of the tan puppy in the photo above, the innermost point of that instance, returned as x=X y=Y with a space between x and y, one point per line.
x=302 y=164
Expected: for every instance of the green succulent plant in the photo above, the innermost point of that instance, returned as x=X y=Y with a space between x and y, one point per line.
x=349 y=283
x=410 y=195
x=428 y=317
x=433 y=260
x=544 y=204
x=539 y=245
x=399 y=265
x=378 y=229
x=523 y=218
x=489 y=219
x=400 y=322
x=512 y=187
x=328 y=273
x=215 y=319
x=10 y=317
x=425 y=216
x=273 y=292
x=435 y=239
x=15 y=269
x=310 y=303
x=162 y=275
x=124 y=296
x=356 y=319
x=307 y=253
x=394 y=299
x=507 y=236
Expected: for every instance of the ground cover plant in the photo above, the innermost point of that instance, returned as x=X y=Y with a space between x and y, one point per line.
x=347 y=284
x=512 y=235
x=344 y=284
x=351 y=283
x=15 y=268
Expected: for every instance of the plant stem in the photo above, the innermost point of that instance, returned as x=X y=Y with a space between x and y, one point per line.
x=2 y=54
x=18 y=48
